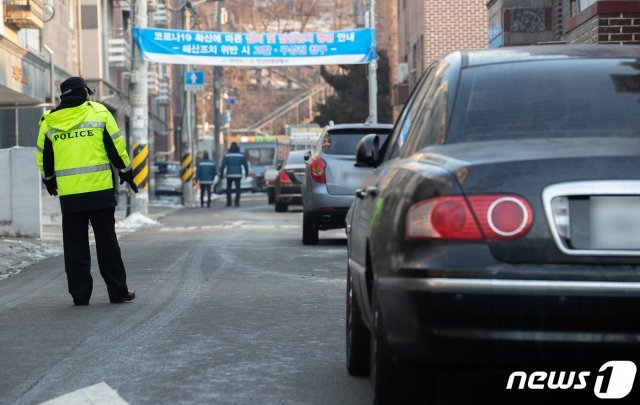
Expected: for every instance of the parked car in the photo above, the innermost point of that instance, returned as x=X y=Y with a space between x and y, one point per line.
x=270 y=175
x=261 y=156
x=331 y=177
x=501 y=224
x=167 y=178
x=287 y=190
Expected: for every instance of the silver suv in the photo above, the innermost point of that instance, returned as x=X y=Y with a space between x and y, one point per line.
x=331 y=179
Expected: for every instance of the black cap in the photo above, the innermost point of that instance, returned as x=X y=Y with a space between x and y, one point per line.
x=69 y=86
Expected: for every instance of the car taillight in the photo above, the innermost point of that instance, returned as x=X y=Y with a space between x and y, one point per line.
x=489 y=217
x=284 y=178
x=502 y=216
x=316 y=167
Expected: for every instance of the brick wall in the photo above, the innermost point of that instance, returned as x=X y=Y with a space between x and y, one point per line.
x=452 y=25
x=606 y=22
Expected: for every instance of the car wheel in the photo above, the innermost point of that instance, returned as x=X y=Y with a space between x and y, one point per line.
x=394 y=381
x=281 y=206
x=309 y=229
x=358 y=336
x=271 y=194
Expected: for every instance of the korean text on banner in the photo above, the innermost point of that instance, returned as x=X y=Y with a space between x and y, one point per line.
x=257 y=49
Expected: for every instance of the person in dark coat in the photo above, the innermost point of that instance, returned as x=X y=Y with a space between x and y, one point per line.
x=234 y=161
x=205 y=173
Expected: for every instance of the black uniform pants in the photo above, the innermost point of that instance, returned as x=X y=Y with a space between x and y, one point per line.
x=205 y=188
x=231 y=181
x=77 y=258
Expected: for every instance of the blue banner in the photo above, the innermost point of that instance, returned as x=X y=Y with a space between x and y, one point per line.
x=256 y=49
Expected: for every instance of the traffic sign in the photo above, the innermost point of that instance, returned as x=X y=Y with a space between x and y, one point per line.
x=231 y=101
x=194 y=80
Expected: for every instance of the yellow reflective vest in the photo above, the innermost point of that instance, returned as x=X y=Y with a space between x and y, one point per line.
x=82 y=141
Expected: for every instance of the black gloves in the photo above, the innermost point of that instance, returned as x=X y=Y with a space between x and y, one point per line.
x=52 y=185
x=128 y=177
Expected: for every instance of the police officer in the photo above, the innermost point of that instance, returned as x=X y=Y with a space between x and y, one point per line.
x=77 y=143
x=205 y=173
x=234 y=161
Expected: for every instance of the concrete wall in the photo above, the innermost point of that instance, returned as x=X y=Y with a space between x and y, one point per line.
x=20 y=198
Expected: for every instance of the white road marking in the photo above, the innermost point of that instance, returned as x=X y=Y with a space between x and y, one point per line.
x=98 y=394
x=228 y=227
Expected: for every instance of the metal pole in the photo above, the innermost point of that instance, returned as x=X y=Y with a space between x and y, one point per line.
x=217 y=85
x=186 y=136
x=139 y=117
x=373 y=67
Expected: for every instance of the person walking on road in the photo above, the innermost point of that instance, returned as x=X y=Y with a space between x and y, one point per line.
x=205 y=173
x=234 y=161
x=78 y=141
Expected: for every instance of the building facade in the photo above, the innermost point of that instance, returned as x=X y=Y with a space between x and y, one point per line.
x=427 y=29
x=527 y=22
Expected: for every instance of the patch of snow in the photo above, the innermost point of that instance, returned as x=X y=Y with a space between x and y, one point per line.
x=17 y=254
x=134 y=221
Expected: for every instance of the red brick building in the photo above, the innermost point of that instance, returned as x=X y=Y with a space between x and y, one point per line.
x=603 y=22
x=429 y=28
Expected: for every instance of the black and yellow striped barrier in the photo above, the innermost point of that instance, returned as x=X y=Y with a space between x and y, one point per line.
x=141 y=165
x=187 y=167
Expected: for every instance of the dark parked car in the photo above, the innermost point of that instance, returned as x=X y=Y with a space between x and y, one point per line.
x=502 y=223
x=288 y=181
x=331 y=177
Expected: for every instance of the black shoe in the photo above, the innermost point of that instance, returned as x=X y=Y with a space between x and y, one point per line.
x=131 y=295
x=237 y=204
x=80 y=303
x=228 y=204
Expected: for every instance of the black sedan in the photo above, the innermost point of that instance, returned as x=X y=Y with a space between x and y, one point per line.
x=288 y=182
x=502 y=223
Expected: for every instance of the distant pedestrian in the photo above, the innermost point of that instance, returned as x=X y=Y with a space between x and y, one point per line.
x=78 y=142
x=205 y=173
x=233 y=162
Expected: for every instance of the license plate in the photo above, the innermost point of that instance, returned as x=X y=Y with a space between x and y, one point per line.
x=615 y=223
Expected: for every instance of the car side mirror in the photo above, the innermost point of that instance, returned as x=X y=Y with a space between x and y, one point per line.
x=307 y=156
x=367 y=151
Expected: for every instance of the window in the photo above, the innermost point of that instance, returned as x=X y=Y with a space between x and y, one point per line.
x=405 y=121
x=260 y=156
x=547 y=99
x=344 y=142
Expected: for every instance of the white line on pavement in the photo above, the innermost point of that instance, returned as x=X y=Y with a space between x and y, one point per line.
x=98 y=394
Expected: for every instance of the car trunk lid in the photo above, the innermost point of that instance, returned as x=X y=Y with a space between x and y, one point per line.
x=529 y=167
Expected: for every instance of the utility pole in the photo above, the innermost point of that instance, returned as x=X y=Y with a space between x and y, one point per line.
x=139 y=124
x=217 y=87
x=186 y=137
x=373 y=67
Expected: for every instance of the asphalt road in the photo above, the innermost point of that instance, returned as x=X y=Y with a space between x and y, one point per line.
x=230 y=308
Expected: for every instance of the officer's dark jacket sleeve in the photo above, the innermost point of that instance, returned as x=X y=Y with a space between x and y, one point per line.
x=223 y=165
x=246 y=166
x=112 y=152
x=48 y=165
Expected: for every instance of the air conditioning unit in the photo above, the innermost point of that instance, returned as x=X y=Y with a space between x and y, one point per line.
x=119 y=50
x=403 y=72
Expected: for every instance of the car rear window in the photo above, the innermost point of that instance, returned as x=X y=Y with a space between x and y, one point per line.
x=547 y=99
x=260 y=156
x=167 y=168
x=296 y=158
x=345 y=142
